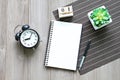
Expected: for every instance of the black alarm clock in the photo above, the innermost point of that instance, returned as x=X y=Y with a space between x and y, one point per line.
x=28 y=38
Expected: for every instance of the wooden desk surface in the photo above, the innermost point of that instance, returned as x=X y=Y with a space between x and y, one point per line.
x=17 y=63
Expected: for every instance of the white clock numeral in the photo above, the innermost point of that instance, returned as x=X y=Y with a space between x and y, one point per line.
x=24 y=34
x=23 y=40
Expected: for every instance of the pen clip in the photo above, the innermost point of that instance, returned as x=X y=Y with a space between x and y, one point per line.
x=87 y=48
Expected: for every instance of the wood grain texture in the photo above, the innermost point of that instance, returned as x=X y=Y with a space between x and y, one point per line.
x=17 y=13
x=39 y=20
x=3 y=30
x=17 y=63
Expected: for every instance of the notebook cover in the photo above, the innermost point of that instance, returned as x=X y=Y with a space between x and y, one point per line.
x=105 y=45
x=63 y=45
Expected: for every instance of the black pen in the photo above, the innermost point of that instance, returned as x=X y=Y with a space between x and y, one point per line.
x=84 y=55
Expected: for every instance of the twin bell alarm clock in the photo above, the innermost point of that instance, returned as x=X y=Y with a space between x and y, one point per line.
x=28 y=38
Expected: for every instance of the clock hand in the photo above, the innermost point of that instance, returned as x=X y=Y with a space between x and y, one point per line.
x=27 y=39
x=30 y=35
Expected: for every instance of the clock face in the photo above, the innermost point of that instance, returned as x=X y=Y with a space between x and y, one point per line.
x=29 y=38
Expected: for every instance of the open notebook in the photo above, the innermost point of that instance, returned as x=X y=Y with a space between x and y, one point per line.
x=63 y=45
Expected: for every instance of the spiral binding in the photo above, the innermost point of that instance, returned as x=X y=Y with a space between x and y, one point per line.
x=49 y=43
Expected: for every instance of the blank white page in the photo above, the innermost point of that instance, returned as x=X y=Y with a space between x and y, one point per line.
x=64 y=45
